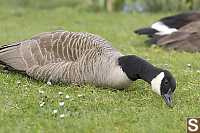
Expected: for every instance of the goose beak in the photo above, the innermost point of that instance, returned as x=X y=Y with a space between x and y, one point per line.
x=168 y=98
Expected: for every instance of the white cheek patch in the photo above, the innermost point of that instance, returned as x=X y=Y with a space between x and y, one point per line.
x=156 y=83
x=162 y=28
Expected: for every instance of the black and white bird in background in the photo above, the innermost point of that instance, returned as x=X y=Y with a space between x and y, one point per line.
x=180 y=32
x=83 y=58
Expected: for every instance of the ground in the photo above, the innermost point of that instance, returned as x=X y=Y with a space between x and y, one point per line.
x=88 y=108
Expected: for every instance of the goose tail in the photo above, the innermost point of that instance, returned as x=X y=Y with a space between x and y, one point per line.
x=11 y=58
x=146 y=31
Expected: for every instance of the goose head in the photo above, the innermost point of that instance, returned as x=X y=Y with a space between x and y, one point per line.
x=162 y=82
x=164 y=85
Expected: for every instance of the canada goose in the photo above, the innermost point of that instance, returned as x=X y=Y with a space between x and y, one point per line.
x=186 y=39
x=179 y=32
x=170 y=24
x=79 y=57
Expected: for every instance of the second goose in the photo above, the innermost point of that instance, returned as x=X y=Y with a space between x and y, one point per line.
x=179 y=32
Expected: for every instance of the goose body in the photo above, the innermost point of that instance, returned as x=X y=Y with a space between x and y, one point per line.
x=80 y=58
x=69 y=57
x=180 y=32
x=186 y=39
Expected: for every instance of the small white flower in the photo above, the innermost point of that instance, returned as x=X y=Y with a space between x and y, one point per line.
x=198 y=71
x=62 y=115
x=41 y=91
x=67 y=96
x=42 y=104
x=55 y=111
x=80 y=95
x=61 y=104
x=49 y=83
x=18 y=82
x=189 y=65
x=60 y=93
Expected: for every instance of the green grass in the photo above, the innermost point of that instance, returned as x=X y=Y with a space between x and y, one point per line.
x=136 y=109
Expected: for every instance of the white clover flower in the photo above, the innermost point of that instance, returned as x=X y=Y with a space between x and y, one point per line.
x=80 y=95
x=67 y=96
x=60 y=93
x=42 y=104
x=189 y=65
x=18 y=82
x=41 y=91
x=55 y=111
x=61 y=103
x=62 y=115
x=49 y=83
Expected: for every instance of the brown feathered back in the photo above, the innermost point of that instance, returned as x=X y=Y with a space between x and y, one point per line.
x=181 y=41
x=191 y=27
x=186 y=39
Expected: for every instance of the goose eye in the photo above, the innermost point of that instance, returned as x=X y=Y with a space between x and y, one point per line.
x=166 y=82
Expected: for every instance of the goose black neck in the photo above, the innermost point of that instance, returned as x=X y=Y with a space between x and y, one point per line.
x=137 y=68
